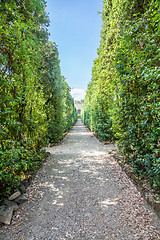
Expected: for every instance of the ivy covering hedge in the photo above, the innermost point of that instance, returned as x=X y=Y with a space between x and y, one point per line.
x=35 y=102
x=123 y=98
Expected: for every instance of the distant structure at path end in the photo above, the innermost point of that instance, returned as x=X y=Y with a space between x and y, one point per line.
x=78 y=105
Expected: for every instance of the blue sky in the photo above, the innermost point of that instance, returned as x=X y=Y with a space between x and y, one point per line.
x=75 y=26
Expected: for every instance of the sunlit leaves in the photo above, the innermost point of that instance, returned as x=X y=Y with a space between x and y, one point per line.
x=125 y=83
x=35 y=102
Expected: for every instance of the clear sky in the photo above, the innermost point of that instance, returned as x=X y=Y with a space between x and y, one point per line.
x=75 y=26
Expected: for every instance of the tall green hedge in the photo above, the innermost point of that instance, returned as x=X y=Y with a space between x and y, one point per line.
x=124 y=90
x=35 y=103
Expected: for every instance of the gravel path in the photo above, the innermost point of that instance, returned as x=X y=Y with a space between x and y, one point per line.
x=81 y=193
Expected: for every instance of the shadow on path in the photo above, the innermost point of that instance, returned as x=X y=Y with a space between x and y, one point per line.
x=81 y=193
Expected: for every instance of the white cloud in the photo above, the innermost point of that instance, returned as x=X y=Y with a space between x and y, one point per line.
x=78 y=94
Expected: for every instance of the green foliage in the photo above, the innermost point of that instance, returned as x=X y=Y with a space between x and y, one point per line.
x=59 y=105
x=16 y=160
x=33 y=94
x=69 y=110
x=124 y=91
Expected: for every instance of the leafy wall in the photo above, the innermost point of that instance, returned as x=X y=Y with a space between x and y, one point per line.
x=123 y=97
x=35 y=102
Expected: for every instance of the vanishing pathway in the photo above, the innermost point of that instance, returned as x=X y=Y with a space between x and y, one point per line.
x=81 y=193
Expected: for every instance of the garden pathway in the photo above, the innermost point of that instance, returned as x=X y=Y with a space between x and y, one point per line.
x=81 y=193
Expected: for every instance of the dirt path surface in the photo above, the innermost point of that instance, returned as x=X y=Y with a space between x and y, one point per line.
x=81 y=193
